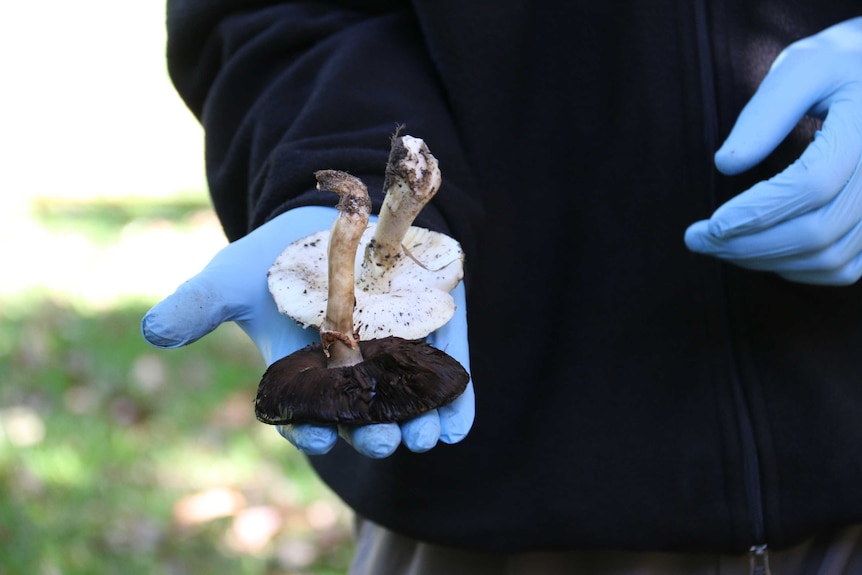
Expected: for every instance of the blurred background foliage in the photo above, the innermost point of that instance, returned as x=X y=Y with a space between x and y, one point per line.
x=116 y=457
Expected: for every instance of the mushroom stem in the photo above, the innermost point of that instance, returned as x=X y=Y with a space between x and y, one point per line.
x=337 y=334
x=412 y=179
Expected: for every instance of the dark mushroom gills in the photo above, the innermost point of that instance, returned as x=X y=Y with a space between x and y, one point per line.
x=343 y=380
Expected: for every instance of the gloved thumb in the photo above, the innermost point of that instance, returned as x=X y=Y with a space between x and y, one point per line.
x=786 y=94
x=195 y=309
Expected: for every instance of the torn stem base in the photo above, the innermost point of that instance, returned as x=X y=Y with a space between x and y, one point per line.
x=341 y=350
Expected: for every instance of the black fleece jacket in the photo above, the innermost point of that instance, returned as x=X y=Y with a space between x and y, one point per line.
x=630 y=394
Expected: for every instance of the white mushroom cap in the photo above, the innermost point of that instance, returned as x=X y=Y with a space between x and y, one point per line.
x=417 y=301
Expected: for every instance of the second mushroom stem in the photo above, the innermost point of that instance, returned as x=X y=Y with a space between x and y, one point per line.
x=412 y=179
x=354 y=207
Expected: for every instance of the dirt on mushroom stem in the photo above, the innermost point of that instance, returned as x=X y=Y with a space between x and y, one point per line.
x=404 y=270
x=412 y=180
x=385 y=379
x=340 y=343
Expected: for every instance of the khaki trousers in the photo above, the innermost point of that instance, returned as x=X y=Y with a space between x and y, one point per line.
x=382 y=552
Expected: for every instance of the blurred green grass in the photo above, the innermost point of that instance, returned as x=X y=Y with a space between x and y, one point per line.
x=118 y=457
x=104 y=219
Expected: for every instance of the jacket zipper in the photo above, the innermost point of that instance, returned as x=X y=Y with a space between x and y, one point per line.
x=759 y=560
x=759 y=552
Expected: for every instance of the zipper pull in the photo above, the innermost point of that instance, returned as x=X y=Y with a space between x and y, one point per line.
x=758 y=557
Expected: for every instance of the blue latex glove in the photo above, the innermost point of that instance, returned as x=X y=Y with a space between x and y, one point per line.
x=806 y=222
x=233 y=287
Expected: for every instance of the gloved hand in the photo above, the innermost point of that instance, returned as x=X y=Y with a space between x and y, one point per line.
x=233 y=287
x=806 y=222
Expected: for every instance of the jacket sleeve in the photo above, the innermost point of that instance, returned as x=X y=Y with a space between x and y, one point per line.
x=287 y=88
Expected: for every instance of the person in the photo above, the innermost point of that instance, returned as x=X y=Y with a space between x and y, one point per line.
x=665 y=356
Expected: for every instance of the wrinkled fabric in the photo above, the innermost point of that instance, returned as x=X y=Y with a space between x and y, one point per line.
x=630 y=394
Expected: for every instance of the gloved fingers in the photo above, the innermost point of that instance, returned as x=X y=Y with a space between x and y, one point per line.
x=310 y=439
x=233 y=287
x=845 y=275
x=814 y=230
x=422 y=432
x=839 y=264
x=376 y=441
x=793 y=85
x=833 y=257
x=195 y=309
x=806 y=78
x=456 y=418
x=452 y=337
x=812 y=181
x=449 y=423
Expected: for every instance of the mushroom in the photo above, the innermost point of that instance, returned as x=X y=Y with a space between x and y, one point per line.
x=342 y=379
x=405 y=273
